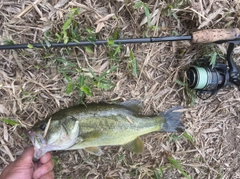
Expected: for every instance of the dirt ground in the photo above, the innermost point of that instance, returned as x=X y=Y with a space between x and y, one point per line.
x=33 y=86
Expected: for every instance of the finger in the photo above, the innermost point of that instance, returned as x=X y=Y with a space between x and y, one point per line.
x=36 y=165
x=49 y=175
x=43 y=169
x=45 y=158
x=27 y=155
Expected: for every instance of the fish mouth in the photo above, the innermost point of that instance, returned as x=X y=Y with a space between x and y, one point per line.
x=39 y=144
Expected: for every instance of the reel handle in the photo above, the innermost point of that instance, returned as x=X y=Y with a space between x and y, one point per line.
x=213 y=35
x=234 y=71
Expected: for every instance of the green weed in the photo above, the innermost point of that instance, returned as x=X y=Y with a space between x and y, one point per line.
x=116 y=33
x=46 y=39
x=212 y=52
x=189 y=137
x=174 y=137
x=102 y=81
x=140 y=4
x=190 y=93
x=9 y=121
x=78 y=85
x=178 y=4
x=30 y=46
x=90 y=34
x=192 y=96
x=70 y=32
x=132 y=64
x=158 y=173
x=8 y=42
x=64 y=65
x=113 y=49
x=69 y=29
x=180 y=82
x=178 y=166
x=84 y=84
x=56 y=163
x=213 y=58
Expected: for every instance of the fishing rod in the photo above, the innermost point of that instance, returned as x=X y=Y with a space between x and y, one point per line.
x=203 y=36
x=202 y=77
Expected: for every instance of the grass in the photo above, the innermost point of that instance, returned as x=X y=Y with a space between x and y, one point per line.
x=188 y=137
x=59 y=89
x=7 y=41
x=190 y=93
x=176 y=137
x=83 y=84
x=113 y=50
x=69 y=31
x=178 y=4
x=158 y=174
x=143 y=5
x=132 y=64
x=9 y=121
x=101 y=81
x=178 y=166
x=56 y=163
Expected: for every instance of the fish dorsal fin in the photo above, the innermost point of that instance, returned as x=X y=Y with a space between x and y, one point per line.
x=133 y=105
x=94 y=150
x=136 y=145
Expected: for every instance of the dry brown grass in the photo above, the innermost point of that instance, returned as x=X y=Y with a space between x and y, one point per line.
x=32 y=88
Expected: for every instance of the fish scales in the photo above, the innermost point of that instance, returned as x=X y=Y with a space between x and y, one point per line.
x=87 y=127
x=112 y=125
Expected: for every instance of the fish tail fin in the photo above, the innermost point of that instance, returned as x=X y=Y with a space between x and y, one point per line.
x=172 y=120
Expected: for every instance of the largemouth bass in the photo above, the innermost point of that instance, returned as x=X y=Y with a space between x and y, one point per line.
x=94 y=125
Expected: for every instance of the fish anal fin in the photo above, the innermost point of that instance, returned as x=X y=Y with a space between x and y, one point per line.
x=134 y=105
x=94 y=150
x=136 y=145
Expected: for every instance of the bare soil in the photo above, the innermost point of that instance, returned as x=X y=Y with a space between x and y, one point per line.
x=32 y=86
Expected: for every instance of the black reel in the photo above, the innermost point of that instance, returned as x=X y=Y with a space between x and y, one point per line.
x=207 y=79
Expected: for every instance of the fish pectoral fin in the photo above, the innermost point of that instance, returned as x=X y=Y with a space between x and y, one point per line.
x=94 y=150
x=77 y=144
x=134 y=105
x=136 y=145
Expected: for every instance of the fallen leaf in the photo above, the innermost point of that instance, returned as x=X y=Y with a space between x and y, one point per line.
x=4 y=110
x=60 y=3
x=210 y=17
x=19 y=64
x=210 y=130
x=105 y=18
x=99 y=27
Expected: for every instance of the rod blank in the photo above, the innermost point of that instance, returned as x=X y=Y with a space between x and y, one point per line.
x=97 y=42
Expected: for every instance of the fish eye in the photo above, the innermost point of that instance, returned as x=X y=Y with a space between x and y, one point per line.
x=43 y=126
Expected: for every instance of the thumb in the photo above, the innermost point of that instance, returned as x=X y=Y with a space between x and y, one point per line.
x=27 y=155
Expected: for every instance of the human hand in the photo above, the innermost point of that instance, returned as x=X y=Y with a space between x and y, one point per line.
x=25 y=168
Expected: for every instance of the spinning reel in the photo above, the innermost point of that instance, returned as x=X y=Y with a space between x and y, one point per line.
x=208 y=80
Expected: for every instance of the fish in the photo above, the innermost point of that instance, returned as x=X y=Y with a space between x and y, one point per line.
x=94 y=125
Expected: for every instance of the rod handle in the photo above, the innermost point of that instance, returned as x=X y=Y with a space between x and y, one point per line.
x=213 y=35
